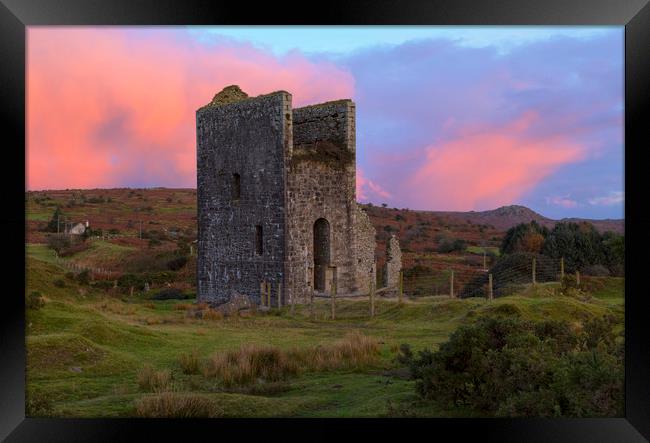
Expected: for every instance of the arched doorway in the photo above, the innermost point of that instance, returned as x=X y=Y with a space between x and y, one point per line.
x=321 y=252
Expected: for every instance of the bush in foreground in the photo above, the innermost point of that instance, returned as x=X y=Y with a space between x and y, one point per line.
x=510 y=367
x=34 y=301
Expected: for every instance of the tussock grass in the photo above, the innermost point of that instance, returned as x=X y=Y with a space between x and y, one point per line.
x=151 y=380
x=269 y=363
x=211 y=314
x=190 y=362
x=179 y=405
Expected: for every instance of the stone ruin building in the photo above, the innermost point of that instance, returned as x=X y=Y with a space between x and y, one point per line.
x=277 y=200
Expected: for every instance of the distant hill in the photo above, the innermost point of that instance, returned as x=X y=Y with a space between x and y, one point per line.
x=505 y=217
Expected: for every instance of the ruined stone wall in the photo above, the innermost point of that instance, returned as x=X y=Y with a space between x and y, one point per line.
x=393 y=264
x=321 y=184
x=364 y=232
x=250 y=137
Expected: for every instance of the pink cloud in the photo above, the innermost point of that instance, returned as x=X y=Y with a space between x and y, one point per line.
x=564 y=202
x=367 y=189
x=488 y=167
x=113 y=107
x=612 y=199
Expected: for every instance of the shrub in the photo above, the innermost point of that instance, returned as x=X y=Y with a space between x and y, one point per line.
x=83 y=277
x=449 y=244
x=38 y=404
x=178 y=405
x=596 y=271
x=58 y=242
x=510 y=367
x=74 y=248
x=103 y=284
x=34 y=301
x=176 y=263
x=151 y=380
x=126 y=281
x=59 y=283
x=190 y=362
x=169 y=294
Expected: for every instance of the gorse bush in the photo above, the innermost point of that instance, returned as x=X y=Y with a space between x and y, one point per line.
x=510 y=367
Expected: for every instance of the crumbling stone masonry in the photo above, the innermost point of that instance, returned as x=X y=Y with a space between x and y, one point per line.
x=393 y=264
x=277 y=199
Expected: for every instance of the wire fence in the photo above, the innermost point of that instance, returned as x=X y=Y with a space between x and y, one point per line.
x=500 y=280
x=94 y=273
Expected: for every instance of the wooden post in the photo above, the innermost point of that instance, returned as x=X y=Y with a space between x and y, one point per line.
x=262 y=293
x=484 y=261
x=131 y=291
x=401 y=287
x=279 y=295
x=533 y=270
x=372 y=299
x=333 y=298
x=268 y=294
x=562 y=269
x=577 y=278
x=490 y=294
x=451 y=284
x=311 y=302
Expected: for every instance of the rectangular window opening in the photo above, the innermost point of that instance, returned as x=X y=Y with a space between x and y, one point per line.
x=259 y=249
x=236 y=186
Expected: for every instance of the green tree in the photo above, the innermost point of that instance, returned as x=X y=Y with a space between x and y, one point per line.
x=579 y=243
x=56 y=221
x=524 y=237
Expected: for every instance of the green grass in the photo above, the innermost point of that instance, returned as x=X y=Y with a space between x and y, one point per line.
x=479 y=250
x=84 y=347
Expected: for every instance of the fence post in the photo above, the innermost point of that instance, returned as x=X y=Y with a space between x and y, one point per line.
x=371 y=293
x=131 y=291
x=451 y=284
x=401 y=287
x=561 y=268
x=311 y=302
x=577 y=278
x=279 y=295
x=490 y=294
x=262 y=293
x=533 y=271
x=484 y=260
x=268 y=294
x=333 y=298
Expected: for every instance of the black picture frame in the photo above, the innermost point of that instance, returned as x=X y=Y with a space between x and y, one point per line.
x=16 y=15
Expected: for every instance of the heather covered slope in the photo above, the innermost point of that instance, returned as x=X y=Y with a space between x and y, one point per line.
x=88 y=348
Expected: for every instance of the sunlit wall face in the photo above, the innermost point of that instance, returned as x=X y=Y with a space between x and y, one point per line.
x=448 y=118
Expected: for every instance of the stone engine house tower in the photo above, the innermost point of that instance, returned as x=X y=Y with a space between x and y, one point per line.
x=277 y=199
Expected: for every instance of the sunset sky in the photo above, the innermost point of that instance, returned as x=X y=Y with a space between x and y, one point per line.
x=448 y=118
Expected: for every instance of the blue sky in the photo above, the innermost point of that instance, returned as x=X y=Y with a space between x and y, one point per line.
x=448 y=118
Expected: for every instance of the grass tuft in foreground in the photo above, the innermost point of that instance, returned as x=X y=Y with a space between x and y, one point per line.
x=178 y=405
x=269 y=363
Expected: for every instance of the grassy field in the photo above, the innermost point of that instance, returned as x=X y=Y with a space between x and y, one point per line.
x=86 y=347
